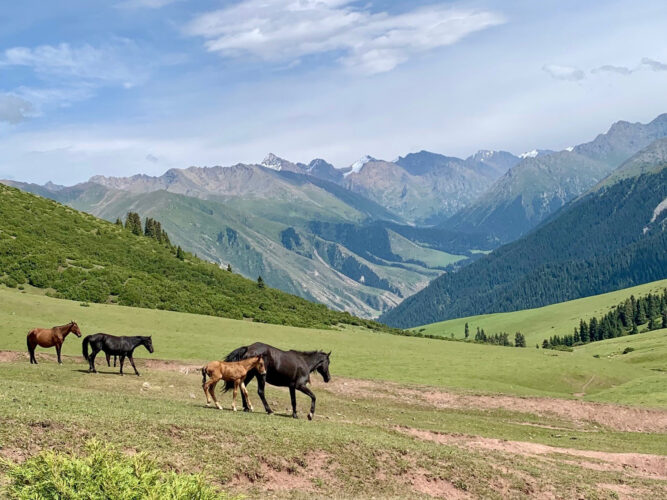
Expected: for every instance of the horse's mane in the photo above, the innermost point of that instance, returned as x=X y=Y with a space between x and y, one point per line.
x=308 y=353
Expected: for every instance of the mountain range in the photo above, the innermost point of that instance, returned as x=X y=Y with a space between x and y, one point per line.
x=364 y=237
x=612 y=237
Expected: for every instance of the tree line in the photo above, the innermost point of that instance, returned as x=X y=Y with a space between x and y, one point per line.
x=624 y=319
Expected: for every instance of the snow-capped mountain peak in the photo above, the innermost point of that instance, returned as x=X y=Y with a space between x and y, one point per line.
x=358 y=165
x=529 y=154
x=273 y=162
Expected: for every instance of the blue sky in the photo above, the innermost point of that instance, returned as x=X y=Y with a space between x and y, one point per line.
x=118 y=87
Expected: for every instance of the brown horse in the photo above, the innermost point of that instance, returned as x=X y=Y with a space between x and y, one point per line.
x=49 y=337
x=229 y=372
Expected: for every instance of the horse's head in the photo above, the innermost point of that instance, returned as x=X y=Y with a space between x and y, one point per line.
x=261 y=365
x=148 y=343
x=323 y=367
x=74 y=328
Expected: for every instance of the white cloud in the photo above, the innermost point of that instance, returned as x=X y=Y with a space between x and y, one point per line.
x=569 y=73
x=654 y=65
x=107 y=65
x=286 y=30
x=608 y=68
x=14 y=109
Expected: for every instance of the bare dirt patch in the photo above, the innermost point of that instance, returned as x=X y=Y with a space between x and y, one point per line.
x=423 y=482
x=633 y=464
x=623 y=418
x=12 y=356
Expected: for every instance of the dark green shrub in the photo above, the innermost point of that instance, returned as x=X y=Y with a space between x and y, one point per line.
x=102 y=473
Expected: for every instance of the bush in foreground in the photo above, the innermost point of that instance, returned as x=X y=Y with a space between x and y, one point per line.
x=102 y=473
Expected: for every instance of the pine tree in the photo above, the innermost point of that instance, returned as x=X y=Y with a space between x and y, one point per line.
x=664 y=318
x=180 y=254
x=519 y=340
x=545 y=344
x=229 y=268
x=593 y=330
x=119 y=222
x=260 y=282
x=133 y=223
x=577 y=337
x=467 y=331
x=583 y=332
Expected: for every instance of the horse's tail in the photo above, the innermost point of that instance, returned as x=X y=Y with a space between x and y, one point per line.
x=84 y=347
x=235 y=355
x=203 y=375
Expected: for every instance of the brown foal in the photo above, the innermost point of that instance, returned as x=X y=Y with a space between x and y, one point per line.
x=229 y=372
x=50 y=337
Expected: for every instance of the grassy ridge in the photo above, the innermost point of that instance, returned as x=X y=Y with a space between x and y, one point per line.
x=81 y=257
x=356 y=352
x=543 y=322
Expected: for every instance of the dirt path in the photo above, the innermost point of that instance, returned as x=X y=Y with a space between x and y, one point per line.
x=617 y=417
x=633 y=464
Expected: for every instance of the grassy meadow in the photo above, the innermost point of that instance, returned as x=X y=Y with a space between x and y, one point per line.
x=543 y=322
x=402 y=417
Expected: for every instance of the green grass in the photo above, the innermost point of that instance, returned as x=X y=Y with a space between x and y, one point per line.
x=411 y=251
x=356 y=352
x=354 y=447
x=543 y=322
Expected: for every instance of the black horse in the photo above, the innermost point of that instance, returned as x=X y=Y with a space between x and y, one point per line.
x=285 y=369
x=114 y=346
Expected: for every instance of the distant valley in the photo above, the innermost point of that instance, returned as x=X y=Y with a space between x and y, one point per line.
x=365 y=237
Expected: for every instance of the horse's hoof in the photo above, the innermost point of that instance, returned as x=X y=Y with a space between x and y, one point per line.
x=294 y=415
x=233 y=408
x=310 y=416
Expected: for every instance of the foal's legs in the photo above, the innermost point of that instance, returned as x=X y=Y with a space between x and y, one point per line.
x=308 y=392
x=209 y=390
x=244 y=392
x=236 y=389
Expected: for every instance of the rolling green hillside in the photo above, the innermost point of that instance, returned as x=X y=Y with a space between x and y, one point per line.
x=543 y=322
x=611 y=239
x=274 y=238
x=80 y=257
x=357 y=352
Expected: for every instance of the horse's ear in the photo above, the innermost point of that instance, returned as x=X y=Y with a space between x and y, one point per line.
x=328 y=354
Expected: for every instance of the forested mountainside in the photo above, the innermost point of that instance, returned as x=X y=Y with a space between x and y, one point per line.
x=77 y=256
x=540 y=185
x=612 y=238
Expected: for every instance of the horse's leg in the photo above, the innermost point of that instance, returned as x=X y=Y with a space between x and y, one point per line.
x=132 y=361
x=236 y=389
x=292 y=395
x=122 y=360
x=308 y=392
x=261 y=383
x=91 y=360
x=31 y=350
x=244 y=392
x=58 y=347
x=115 y=359
x=108 y=359
x=211 y=389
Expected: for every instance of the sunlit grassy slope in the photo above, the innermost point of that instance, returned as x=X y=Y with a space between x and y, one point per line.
x=543 y=322
x=357 y=352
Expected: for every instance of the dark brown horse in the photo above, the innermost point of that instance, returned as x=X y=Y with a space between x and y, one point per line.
x=283 y=368
x=50 y=337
